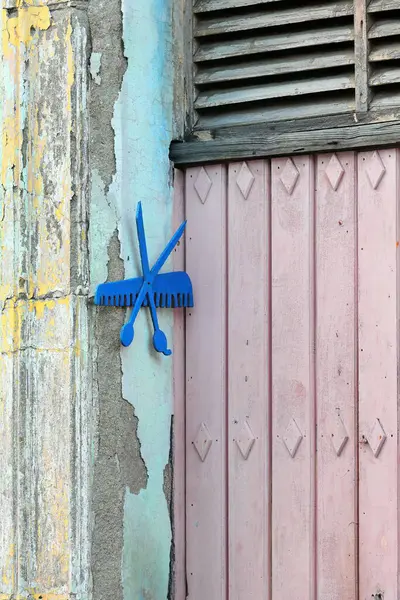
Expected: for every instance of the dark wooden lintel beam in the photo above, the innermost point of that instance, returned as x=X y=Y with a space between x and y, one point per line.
x=262 y=140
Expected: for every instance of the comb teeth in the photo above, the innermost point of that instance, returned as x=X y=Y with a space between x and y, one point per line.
x=171 y=290
x=160 y=300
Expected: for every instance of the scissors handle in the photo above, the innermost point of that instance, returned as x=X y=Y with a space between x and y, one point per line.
x=160 y=341
x=128 y=332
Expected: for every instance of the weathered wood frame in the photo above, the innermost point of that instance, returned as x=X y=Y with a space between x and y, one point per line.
x=361 y=129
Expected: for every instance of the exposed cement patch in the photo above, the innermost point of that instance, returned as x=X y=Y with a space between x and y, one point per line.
x=105 y=20
x=119 y=464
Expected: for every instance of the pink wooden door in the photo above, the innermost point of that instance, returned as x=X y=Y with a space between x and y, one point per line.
x=292 y=480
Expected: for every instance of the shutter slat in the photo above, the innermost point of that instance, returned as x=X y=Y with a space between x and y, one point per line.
x=212 y=5
x=381 y=5
x=385 y=51
x=272 y=43
x=274 y=90
x=385 y=76
x=274 y=18
x=384 y=28
x=385 y=101
x=275 y=66
x=276 y=111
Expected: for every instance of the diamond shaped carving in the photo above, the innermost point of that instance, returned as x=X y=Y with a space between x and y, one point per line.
x=245 y=180
x=377 y=438
x=375 y=169
x=339 y=435
x=334 y=172
x=289 y=176
x=202 y=442
x=202 y=185
x=245 y=441
x=292 y=438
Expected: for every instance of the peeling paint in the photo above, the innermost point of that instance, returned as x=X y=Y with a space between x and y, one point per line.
x=103 y=224
x=37 y=596
x=119 y=464
x=25 y=149
x=143 y=174
x=95 y=66
x=17 y=31
x=48 y=346
x=42 y=364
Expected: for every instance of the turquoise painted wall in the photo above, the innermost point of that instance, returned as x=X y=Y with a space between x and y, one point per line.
x=143 y=126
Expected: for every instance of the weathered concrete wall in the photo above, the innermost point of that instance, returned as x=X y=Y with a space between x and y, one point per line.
x=45 y=389
x=131 y=109
x=85 y=426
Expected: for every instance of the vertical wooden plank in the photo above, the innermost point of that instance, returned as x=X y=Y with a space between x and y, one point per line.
x=378 y=185
x=361 y=51
x=293 y=380
x=179 y=511
x=248 y=404
x=206 y=384
x=336 y=371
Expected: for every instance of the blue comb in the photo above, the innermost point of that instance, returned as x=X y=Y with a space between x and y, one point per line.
x=165 y=290
x=170 y=290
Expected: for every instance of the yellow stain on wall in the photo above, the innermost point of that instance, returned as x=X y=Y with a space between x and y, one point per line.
x=19 y=27
x=15 y=314
x=20 y=33
x=39 y=306
x=10 y=328
x=37 y=596
x=17 y=31
x=22 y=3
x=8 y=571
x=21 y=43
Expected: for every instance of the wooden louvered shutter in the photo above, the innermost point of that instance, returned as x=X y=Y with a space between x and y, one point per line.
x=274 y=77
x=384 y=53
x=259 y=60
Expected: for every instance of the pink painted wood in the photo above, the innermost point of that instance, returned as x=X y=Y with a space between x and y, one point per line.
x=206 y=509
x=378 y=187
x=336 y=377
x=294 y=341
x=179 y=453
x=293 y=410
x=248 y=407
